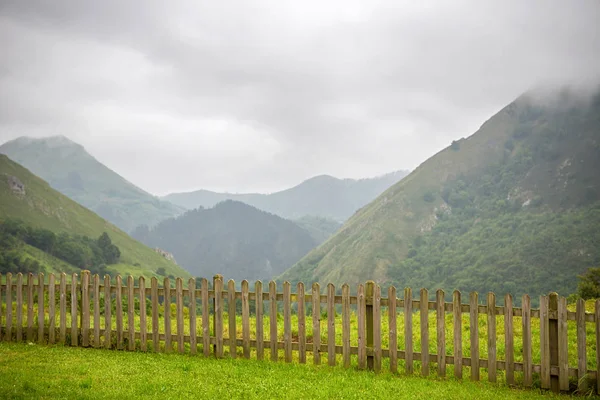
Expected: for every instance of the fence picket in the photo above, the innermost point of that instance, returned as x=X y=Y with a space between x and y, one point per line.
x=63 y=308
x=491 y=333
x=273 y=320
x=179 y=317
x=393 y=334
x=9 y=306
x=316 y=317
x=96 y=310
x=30 y=308
x=457 y=325
x=107 y=313
x=331 y=324
x=424 y=307
x=527 y=354
x=218 y=318
x=167 y=314
x=51 y=309
x=41 y=322
x=408 y=332
x=231 y=315
x=346 y=325
x=287 y=322
x=119 y=312
x=544 y=344
x=205 y=318
x=581 y=348
x=597 y=329
x=155 y=323
x=362 y=328
x=143 y=327
x=474 y=331
x=509 y=340
x=192 y=312
x=19 y=307
x=377 y=351
x=130 y=314
x=301 y=324
x=245 y=320
x=563 y=343
x=441 y=332
x=74 y=330
x=0 y=306
x=85 y=308
x=260 y=334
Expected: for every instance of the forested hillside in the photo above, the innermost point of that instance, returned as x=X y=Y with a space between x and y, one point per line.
x=514 y=207
x=232 y=239
x=71 y=170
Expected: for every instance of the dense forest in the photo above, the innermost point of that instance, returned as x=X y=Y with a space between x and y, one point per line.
x=80 y=251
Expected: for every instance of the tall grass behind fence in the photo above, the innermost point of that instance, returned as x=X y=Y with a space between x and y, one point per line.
x=553 y=345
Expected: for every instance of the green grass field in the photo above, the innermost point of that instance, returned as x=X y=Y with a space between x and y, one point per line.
x=47 y=372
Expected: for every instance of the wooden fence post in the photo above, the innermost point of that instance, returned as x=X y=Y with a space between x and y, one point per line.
x=369 y=291
x=74 y=301
x=41 y=319
x=553 y=336
x=218 y=319
x=85 y=308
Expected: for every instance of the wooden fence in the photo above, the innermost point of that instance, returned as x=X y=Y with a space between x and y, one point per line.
x=91 y=321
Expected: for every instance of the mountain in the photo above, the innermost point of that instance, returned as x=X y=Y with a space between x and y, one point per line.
x=232 y=239
x=26 y=197
x=515 y=208
x=321 y=196
x=319 y=228
x=71 y=170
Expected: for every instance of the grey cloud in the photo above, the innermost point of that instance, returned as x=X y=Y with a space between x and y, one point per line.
x=346 y=88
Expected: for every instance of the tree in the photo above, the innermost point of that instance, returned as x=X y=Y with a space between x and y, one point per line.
x=589 y=284
x=110 y=251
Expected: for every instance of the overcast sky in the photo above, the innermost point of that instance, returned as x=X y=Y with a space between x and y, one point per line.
x=259 y=95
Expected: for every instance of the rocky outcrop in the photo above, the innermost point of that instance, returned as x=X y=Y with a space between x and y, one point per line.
x=15 y=185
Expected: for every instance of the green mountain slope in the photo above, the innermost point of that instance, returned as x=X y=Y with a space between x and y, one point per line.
x=514 y=207
x=321 y=196
x=26 y=197
x=232 y=239
x=75 y=173
x=319 y=228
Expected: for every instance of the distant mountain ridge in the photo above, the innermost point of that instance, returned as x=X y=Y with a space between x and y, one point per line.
x=515 y=207
x=232 y=239
x=320 y=196
x=71 y=170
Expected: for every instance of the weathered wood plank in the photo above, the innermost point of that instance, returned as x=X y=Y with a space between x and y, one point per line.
x=143 y=325
x=30 y=307
x=85 y=308
x=544 y=344
x=192 y=312
x=167 y=315
x=96 y=292
x=51 y=309
x=491 y=334
x=440 y=332
x=119 y=312
x=424 y=332
x=63 y=308
x=1 y=307
x=563 y=345
x=346 y=325
x=218 y=318
x=474 y=333
x=553 y=339
x=369 y=294
x=245 y=319
x=273 y=319
x=41 y=319
x=107 y=313
x=301 y=324
x=231 y=315
x=393 y=333
x=527 y=354
x=377 y=351
x=581 y=353
x=597 y=314
x=316 y=318
x=362 y=329
x=74 y=316
x=509 y=340
x=179 y=317
x=408 y=331
x=457 y=326
x=205 y=317
x=19 y=307
x=154 y=305
x=287 y=322
x=130 y=314
x=260 y=335
x=9 y=307
x=331 y=325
